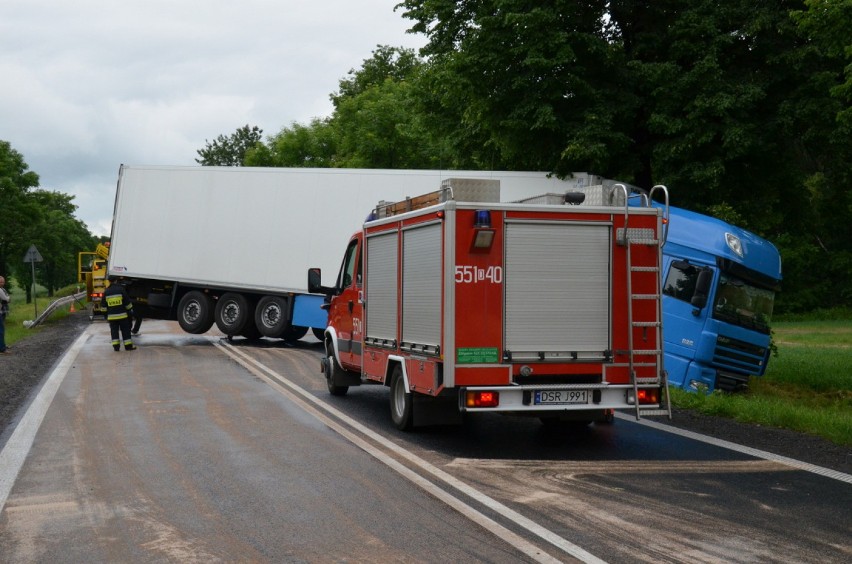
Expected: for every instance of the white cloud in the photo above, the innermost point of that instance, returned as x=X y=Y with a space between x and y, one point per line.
x=91 y=84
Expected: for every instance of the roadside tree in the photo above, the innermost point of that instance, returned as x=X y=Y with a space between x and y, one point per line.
x=230 y=150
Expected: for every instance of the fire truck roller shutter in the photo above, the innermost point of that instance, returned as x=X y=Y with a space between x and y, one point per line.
x=557 y=288
x=382 y=289
x=421 y=287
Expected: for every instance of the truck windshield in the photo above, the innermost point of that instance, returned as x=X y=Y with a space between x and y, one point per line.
x=743 y=304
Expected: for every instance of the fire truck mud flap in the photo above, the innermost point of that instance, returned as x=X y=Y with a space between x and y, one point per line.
x=441 y=410
x=412 y=410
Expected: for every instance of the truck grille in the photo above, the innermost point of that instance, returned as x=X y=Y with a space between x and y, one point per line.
x=731 y=382
x=738 y=356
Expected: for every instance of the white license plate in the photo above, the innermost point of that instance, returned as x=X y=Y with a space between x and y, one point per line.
x=557 y=397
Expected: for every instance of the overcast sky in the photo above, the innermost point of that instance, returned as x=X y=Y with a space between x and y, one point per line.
x=87 y=85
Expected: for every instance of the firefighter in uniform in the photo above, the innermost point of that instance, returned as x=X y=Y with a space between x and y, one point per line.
x=119 y=314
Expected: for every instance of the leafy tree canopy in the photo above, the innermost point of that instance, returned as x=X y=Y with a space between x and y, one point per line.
x=19 y=212
x=741 y=108
x=43 y=218
x=230 y=150
x=733 y=104
x=377 y=122
x=312 y=145
x=387 y=63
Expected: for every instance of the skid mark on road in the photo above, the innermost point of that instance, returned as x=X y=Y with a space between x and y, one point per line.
x=42 y=504
x=655 y=467
x=605 y=500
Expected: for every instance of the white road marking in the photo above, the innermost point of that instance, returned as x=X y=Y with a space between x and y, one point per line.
x=798 y=464
x=259 y=369
x=16 y=449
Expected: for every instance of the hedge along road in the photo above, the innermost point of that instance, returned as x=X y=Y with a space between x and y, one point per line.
x=169 y=452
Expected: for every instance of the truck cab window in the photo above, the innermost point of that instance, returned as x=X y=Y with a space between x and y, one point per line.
x=347 y=271
x=681 y=280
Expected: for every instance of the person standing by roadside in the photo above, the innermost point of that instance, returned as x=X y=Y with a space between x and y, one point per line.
x=119 y=314
x=5 y=298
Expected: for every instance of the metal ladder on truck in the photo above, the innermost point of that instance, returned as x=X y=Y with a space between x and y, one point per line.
x=628 y=237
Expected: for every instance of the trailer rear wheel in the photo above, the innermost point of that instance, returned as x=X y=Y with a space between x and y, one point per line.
x=233 y=313
x=401 y=402
x=270 y=316
x=195 y=312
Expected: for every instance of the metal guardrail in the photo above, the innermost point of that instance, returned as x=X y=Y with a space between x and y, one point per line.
x=29 y=324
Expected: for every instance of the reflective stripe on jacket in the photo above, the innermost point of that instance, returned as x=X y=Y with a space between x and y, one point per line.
x=118 y=303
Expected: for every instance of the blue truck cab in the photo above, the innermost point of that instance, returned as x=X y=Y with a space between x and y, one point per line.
x=718 y=290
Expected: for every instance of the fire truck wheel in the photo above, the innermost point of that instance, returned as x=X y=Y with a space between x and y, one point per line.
x=195 y=312
x=233 y=313
x=271 y=316
x=400 y=401
x=332 y=370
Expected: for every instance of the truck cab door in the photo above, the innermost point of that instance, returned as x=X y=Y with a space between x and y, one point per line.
x=684 y=315
x=346 y=311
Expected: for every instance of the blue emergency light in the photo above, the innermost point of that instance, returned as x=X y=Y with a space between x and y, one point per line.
x=482 y=218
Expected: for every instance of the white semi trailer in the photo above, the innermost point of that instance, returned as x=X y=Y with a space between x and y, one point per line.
x=231 y=246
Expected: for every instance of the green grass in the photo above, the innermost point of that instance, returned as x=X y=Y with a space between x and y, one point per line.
x=807 y=386
x=20 y=310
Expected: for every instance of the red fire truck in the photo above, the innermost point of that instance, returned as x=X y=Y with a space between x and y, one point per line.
x=462 y=304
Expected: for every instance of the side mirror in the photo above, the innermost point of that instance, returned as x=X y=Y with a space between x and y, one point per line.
x=315 y=281
x=702 y=288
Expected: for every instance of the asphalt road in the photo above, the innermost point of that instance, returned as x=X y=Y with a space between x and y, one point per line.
x=196 y=449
